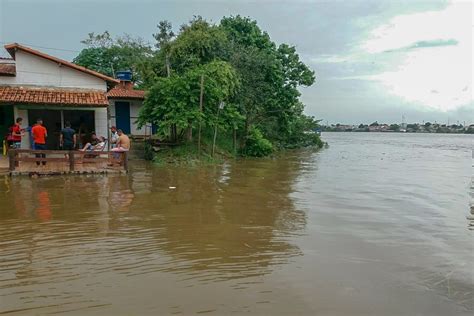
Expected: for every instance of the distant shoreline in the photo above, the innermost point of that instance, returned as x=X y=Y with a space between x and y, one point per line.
x=398 y=132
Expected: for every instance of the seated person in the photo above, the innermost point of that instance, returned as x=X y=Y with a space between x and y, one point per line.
x=123 y=142
x=98 y=145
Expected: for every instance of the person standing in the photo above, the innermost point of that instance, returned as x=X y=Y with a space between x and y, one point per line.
x=39 y=133
x=113 y=136
x=67 y=138
x=16 y=133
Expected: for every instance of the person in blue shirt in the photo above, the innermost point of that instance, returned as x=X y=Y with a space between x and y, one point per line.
x=67 y=138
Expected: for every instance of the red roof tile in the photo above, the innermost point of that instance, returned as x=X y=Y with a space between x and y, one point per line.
x=52 y=96
x=12 y=48
x=7 y=70
x=121 y=92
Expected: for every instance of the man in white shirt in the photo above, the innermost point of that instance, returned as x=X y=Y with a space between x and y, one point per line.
x=113 y=137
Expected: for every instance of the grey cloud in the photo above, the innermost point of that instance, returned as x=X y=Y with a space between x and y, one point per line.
x=426 y=44
x=324 y=32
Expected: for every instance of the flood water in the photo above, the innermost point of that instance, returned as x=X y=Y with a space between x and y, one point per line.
x=376 y=224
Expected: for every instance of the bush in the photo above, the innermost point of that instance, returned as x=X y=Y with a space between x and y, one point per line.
x=149 y=154
x=256 y=145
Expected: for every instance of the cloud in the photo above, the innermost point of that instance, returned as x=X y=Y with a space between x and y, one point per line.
x=426 y=44
x=434 y=53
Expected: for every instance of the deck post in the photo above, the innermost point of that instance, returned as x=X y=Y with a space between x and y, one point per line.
x=125 y=160
x=71 y=160
x=11 y=159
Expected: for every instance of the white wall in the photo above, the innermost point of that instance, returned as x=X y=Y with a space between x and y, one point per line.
x=34 y=70
x=25 y=140
x=101 y=122
x=134 y=109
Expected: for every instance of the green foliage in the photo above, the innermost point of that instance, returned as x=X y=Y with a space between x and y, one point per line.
x=107 y=55
x=148 y=151
x=256 y=145
x=394 y=127
x=245 y=32
x=257 y=79
x=174 y=101
x=197 y=44
x=165 y=34
x=301 y=133
x=96 y=58
x=270 y=78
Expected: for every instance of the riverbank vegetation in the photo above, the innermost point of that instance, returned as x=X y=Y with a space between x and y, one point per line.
x=214 y=84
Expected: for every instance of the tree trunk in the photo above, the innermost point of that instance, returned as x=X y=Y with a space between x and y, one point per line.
x=201 y=96
x=245 y=134
x=215 y=132
x=190 y=133
x=234 y=141
x=168 y=69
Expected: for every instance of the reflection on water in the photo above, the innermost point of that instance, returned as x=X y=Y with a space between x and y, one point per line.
x=220 y=223
x=373 y=225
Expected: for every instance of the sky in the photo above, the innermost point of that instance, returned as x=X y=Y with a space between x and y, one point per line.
x=378 y=60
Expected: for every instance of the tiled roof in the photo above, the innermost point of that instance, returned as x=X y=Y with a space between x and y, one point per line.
x=119 y=92
x=7 y=70
x=12 y=48
x=52 y=96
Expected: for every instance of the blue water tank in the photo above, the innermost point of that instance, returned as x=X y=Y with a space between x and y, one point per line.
x=125 y=75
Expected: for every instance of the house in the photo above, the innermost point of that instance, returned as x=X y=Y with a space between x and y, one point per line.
x=34 y=84
x=125 y=102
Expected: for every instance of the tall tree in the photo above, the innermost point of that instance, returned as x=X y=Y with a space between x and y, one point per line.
x=163 y=39
x=174 y=101
x=107 y=55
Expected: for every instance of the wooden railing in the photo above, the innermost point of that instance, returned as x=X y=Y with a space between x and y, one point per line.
x=67 y=161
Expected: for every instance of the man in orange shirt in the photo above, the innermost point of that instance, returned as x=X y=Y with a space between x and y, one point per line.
x=39 y=133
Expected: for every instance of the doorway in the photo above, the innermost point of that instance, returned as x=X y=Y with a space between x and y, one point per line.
x=6 y=119
x=82 y=121
x=122 y=116
x=52 y=122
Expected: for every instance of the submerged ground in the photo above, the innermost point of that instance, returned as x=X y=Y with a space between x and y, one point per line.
x=373 y=225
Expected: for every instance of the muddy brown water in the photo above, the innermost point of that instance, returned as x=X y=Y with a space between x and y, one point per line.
x=376 y=224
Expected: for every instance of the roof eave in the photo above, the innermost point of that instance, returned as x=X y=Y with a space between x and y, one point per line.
x=12 y=48
x=125 y=98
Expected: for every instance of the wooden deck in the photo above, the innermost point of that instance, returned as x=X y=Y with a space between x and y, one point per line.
x=28 y=162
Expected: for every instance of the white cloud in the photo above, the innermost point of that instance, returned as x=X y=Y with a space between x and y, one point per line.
x=433 y=76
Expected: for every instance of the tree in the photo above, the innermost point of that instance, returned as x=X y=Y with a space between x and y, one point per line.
x=198 y=43
x=163 y=39
x=270 y=77
x=103 y=40
x=107 y=55
x=394 y=127
x=165 y=34
x=236 y=62
x=374 y=124
x=174 y=101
